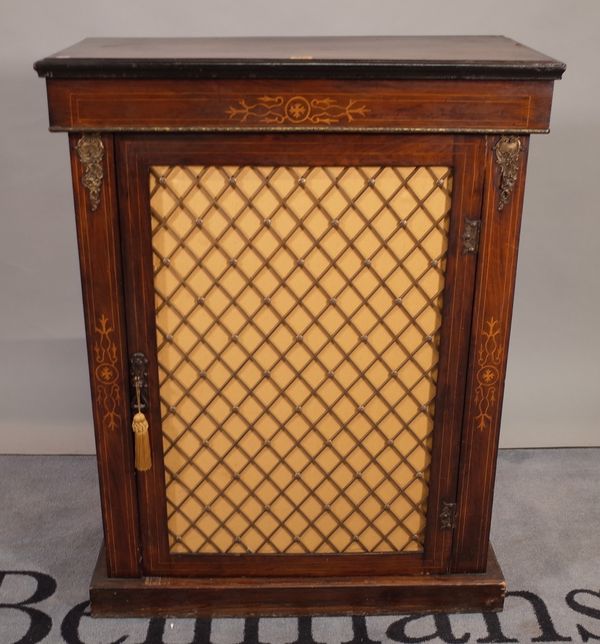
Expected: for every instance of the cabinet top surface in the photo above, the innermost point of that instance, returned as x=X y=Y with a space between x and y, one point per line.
x=384 y=57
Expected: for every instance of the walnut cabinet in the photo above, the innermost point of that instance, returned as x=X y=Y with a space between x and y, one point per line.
x=298 y=260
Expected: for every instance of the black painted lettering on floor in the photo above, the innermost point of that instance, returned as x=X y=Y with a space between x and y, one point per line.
x=410 y=629
x=40 y=623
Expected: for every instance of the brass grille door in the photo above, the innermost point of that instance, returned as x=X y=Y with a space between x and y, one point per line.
x=293 y=297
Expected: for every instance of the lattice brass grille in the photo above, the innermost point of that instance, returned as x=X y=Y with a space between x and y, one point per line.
x=298 y=313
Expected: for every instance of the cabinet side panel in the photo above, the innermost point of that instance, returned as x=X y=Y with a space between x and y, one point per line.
x=94 y=188
x=501 y=220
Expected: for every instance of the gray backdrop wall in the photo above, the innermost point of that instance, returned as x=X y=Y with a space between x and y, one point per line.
x=553 y=387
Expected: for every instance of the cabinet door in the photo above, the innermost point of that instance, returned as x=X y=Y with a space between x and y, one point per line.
x=304 y=303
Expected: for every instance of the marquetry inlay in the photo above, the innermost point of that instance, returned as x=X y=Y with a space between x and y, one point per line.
x=106 y=373
x=489 y=361
x=277 y=110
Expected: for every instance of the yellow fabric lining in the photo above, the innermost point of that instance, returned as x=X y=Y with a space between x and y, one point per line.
x=306 y=441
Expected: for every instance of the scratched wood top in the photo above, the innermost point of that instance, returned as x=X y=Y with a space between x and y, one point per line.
x=383 y=57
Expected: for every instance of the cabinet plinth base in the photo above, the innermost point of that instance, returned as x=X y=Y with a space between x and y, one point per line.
x=192 y=597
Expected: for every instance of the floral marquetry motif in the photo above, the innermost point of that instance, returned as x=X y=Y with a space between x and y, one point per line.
x=296 y=110
x=106 y=373
x=489 y=360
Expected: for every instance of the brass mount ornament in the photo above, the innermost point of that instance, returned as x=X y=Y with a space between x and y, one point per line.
x=508 y=151
x=90 y=150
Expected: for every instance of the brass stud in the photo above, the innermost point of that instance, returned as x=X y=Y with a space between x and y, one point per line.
x=394 y=374
x=332 y=301
x=419 y=475
x=232 y=181
x=267 y=442
x=235 y=409
x=297 y=475
x=162 y=181
x=329 y=443
x=398 y=301
x=327 y=507
x=299 y=338
x=267 y=223
x=172 y=409
x=266 y=374
x=266 y=300
x=439 y=183
x=202 y=374
x=434 y=263
x=424 y=408
x=429 y=338
x=335 y=223
x=358 y=475
x=267 y=508
x=367 y=262
x=301 y=181
x=360 y=408
x=199 y=222
x=300 y=262
x=386 y=506
x=371 y=182
x=298 y=409
x=166 y=261
x=364 y=338
x=330 y=374
x=233 y=261
x=200 y=301
x=236 y=476
x=169 y=337
x=235 y=337
x=403 y=223
x=390 y=442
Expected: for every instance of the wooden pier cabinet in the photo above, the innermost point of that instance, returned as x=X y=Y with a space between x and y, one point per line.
x=298 y=259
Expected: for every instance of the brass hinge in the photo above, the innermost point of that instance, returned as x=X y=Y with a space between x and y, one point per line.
x=470 y=236
x=448 y=516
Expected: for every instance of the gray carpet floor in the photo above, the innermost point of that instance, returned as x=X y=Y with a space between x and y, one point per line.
x=546 y=533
